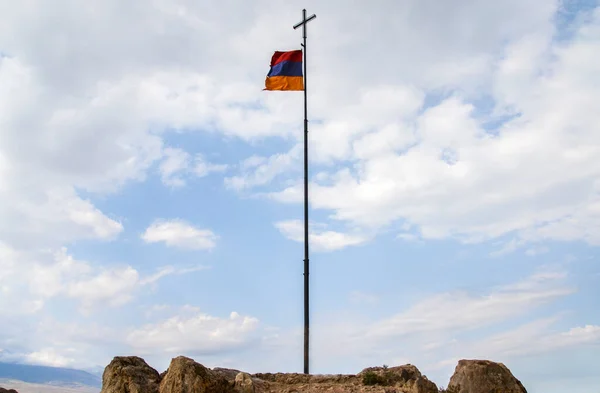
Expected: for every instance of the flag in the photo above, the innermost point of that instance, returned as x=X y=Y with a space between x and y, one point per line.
x=285 y=72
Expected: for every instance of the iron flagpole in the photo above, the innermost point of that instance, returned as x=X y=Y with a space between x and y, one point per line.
x=303 y=23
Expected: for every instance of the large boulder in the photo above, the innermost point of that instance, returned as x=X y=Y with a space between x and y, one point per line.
x=129 y=374
x=186 y=376
x=484 y=376
x=2 y=390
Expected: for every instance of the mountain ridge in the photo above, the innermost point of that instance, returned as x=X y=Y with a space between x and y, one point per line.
x=56 y=376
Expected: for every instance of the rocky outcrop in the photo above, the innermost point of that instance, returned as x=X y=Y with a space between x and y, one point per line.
x=407 y=378
x=186 y=376
x=129 y=374
x=2 y=390
x=484 y=376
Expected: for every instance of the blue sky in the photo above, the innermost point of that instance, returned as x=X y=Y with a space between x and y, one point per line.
x=151 y=200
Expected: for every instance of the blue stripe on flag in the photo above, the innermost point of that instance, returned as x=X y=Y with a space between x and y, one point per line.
x=286 y=68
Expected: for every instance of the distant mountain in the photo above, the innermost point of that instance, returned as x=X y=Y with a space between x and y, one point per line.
x=98 y=370
x=48 y=375
x=25 y=387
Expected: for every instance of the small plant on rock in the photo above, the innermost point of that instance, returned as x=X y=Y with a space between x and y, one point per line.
x=371 y=378
x=386 y=378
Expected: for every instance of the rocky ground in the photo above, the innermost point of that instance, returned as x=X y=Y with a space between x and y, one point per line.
x=184 y=375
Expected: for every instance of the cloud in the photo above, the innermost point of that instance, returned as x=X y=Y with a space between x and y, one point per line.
x=437 y=330
x=177 y=163
x=198 y=334
x=320 y=239
x=178 y=233
x=447 y=174
x=112 y=113
x=31 y=280
x=526 y=340
x=114 y=286
x=432 y=165
x=259 y=171
x=438 y=313
x=203 y=168
x=49 y=357
x=170 y=270
x=533 y=251
x=531 y=339
x=117 y=134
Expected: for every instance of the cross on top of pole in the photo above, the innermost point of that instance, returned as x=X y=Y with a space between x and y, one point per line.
x=305 y=20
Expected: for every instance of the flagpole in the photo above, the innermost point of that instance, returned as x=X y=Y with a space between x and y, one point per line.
x=306 y=259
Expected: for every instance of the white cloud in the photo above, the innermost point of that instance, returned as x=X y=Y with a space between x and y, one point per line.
x=114 y=286
x=259 y=171
x=109 y=104
x=49 y=357
x=527 y=340
x=533 y=251
x=438 y=329
x=198 y=334
x=171 y=270
x=110 y=113
x=438 y=313
x=448 y=176
x=177 y=163
x=203 y=168
x=434 y=327
x=373 y=125
x=30 y=280
x=292 y=194
x=79 y=280
x=320 y=239
x=178 y=233
x=409 y=237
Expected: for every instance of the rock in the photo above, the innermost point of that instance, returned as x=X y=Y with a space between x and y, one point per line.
x=484 y=376
x=186 y=376
x=129 y=374
x=228 y=373
x=244 y=383
x=408 y=378
x=2 y=390
x=285 y=378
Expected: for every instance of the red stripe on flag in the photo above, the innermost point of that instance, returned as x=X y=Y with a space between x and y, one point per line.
x=294 y=55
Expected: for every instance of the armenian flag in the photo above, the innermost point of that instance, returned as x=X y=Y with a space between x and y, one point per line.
x=285 y=72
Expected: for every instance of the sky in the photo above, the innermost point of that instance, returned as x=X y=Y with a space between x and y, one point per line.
x=151 y=191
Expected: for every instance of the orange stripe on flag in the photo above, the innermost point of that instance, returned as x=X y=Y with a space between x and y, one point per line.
x=284 y=83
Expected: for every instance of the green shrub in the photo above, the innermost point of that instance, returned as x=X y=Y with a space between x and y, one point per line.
x=371 y=378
